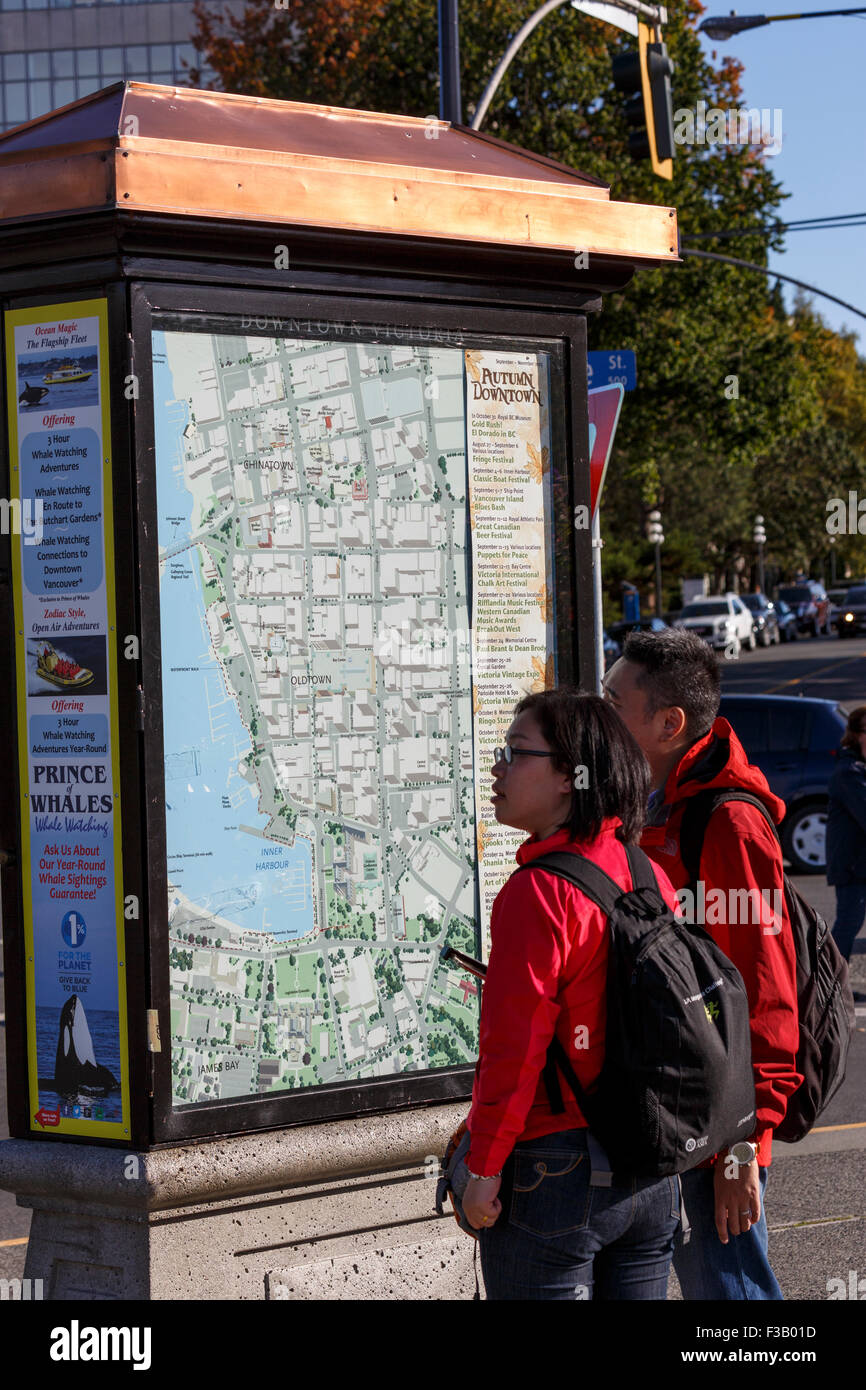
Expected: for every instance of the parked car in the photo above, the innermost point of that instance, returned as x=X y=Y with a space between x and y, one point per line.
x=810 y=604
x=794 y=741
x=619 y=631
x=787 y=620
x=764 y=618
x=852 y=613
x=836 y=598
x=720 y=621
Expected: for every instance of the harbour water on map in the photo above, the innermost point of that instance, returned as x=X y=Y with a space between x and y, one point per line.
x=219 y=867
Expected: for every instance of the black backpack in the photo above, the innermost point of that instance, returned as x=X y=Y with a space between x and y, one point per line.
x=676 y=1082
x=825 y=1004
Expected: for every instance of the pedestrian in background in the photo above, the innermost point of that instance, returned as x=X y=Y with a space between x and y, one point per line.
x=846 y=835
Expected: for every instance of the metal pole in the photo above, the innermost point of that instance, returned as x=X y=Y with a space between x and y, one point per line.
x=450 y=107
x=597 y=604
x=516 y=43
x=761 y=567
x=772 y=274
x=657 y=14
x=658 y=579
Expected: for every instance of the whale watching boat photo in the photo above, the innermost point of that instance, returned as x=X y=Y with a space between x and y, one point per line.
x=60 y=670
x=66 y=372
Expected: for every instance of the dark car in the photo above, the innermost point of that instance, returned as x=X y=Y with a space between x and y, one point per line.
x=794 y=741
x=619 y=631
x=852 y=613
x=787 y=620
x=836 y=598
x=810 y=604
x=764 y=617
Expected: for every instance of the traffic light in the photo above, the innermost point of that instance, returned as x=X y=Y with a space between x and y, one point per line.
x=645 y=78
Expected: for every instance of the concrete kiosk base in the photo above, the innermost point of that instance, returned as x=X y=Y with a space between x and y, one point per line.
x=341 y=1210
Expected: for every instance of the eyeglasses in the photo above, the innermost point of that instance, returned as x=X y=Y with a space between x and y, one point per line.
x=506 y=754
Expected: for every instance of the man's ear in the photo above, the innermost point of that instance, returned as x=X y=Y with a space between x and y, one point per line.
x=675 y=723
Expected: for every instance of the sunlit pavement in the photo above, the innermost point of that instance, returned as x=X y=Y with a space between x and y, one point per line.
x=815 y=1193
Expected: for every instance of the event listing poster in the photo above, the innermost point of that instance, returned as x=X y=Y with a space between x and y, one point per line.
x=508 y=447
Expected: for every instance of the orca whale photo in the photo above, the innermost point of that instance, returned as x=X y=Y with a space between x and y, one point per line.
x=32 y=395
x=76 y=1070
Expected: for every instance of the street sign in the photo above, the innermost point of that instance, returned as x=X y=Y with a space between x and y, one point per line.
x=618 y=365
x=604 y=407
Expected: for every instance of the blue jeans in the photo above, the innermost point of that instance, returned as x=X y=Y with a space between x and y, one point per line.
x=559 y=1238
x=850 y=912
x=707 y=1269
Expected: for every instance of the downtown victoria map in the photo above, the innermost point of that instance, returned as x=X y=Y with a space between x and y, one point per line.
x=324 y=771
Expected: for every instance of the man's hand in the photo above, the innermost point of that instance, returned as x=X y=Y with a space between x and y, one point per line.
x=736 y=1196
x=480 y=1202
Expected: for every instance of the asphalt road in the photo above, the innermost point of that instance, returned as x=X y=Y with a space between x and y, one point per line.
x=826 y=668
x=816 y=1206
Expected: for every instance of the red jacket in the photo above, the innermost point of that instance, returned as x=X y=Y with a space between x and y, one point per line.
x=547 y=972
x=740 y=851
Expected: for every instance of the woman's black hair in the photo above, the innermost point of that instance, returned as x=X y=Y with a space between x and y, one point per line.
x=592 y=743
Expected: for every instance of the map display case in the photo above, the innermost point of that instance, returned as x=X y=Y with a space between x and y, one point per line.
x=317 y=380
x=354 y=581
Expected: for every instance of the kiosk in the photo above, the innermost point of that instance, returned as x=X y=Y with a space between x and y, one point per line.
x=298 y=504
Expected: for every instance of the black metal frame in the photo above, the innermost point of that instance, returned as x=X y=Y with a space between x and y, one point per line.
x=210 y=309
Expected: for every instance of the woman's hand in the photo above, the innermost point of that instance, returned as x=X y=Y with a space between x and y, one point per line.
x=738 y=1198
x=480 y=1202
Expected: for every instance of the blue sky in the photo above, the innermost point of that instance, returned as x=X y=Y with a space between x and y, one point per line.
x=814 y=71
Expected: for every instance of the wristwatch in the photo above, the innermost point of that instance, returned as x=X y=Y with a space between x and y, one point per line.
x=743 y=1152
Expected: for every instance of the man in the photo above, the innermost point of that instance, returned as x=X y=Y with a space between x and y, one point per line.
x=666 y=689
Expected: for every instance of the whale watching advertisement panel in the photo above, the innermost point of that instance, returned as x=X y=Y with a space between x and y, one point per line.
x=355 y=581
x=63 y=566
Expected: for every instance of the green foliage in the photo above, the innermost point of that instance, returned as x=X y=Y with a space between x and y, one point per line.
x=740 y=407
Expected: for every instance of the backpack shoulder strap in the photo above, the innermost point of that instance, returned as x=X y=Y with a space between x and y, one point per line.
x=640 y=867
x=585 y=875
x=696 y=817
x=605 y=892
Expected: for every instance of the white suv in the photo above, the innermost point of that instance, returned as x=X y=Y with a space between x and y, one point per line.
x=722 y=622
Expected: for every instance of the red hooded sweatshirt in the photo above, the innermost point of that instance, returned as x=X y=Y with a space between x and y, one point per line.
x=547 y=972
x=740 y=852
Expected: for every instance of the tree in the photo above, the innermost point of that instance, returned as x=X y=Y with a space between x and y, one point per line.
x=734 y=393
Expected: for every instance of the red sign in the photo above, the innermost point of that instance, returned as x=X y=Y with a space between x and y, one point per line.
x=45 y=1117
x=604 y=408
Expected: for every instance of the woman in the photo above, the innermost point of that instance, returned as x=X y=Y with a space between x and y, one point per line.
x=573 y=778
x=846 y=834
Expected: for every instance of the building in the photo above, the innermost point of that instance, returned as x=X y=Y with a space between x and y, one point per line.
x=54 y=51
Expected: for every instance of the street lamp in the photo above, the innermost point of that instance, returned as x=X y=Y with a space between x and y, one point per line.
x=759 y=536
x=725 y=26
x=832 y=561
x=655 y=536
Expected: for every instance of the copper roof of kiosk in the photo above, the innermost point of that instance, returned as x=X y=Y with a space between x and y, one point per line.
x=186 y=152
